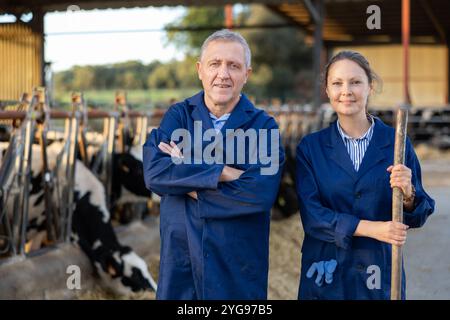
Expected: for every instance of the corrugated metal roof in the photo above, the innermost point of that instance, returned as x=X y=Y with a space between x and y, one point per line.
x=345 y=20
x=62 y=5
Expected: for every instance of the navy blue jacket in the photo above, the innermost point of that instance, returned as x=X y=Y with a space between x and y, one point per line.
x=333 y=198
x=216 y=247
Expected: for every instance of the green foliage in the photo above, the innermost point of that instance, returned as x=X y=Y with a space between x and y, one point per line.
x=278 y=57
x=191 y=42
x=164 y=76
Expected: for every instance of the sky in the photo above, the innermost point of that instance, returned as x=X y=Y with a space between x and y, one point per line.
x=67 y=50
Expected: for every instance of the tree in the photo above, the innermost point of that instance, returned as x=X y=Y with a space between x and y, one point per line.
x=186 y=72
x=191 y=42
x=164 y=76
x=281 y=61
x=83 y=78
x=290 y=57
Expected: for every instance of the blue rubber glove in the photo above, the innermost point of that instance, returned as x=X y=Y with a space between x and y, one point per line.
x=320 y=268
x=330 y=267
x=326 y=268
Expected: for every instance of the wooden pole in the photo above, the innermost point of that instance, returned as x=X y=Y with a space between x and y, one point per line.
x=399 y=154
x=405 y=44
x=397 y=201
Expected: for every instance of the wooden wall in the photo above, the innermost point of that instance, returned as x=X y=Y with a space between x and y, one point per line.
x=428 y=74
x=20 y=60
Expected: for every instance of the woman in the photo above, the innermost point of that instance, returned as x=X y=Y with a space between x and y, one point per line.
x=344 y=181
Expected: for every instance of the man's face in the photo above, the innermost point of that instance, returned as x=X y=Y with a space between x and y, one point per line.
x=223 y=73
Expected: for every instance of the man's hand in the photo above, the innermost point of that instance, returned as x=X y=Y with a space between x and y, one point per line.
x=172 y=149
x=230 y=174
x=193 y=195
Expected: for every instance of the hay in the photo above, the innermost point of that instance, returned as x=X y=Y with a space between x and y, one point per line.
x=426 y=152
x=286 y=237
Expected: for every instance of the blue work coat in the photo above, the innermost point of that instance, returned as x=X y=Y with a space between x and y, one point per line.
x=333 y=198
x=216 y=247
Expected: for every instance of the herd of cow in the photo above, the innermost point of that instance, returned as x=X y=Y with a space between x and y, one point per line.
x=117 y=266
x=91 y=224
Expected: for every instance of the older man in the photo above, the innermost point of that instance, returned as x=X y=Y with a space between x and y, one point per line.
x=216 y=161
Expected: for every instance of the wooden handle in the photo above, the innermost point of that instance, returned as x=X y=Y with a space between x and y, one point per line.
x=397 y=202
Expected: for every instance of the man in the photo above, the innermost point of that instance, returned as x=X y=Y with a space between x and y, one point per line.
x=215 y=208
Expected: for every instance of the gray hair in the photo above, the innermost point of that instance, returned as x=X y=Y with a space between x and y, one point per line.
x=228 y=35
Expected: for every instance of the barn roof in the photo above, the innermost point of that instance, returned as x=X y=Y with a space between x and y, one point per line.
x=62 y=5
x=345 y=20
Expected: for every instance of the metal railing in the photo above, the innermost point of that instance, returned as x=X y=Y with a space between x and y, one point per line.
x=30 y=123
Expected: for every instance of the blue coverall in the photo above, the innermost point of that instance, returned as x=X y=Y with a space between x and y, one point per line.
x=216 y=247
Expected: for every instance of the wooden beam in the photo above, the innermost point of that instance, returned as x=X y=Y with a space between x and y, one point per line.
x=313 y=12
x=317 y=52
x=434 y=20
x=290 y=20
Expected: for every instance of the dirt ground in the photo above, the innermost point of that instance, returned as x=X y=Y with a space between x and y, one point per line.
x=286 y=237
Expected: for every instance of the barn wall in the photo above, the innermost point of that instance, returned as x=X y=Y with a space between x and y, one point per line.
x=20 y=60
x=428 y=74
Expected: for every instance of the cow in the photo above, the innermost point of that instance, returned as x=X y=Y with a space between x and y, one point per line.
x=129 y=195
x=120 y=269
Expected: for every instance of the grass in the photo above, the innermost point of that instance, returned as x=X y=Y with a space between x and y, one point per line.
x=138 y=99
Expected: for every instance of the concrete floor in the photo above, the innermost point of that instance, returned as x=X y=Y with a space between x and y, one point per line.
x=427 y=250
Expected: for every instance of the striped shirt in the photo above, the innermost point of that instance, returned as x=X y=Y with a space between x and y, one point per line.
x=356 y=147
x=219 y=122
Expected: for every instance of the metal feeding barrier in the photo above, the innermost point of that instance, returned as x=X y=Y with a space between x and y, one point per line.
x=29 y=124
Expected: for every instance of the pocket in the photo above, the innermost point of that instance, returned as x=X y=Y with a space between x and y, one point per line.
x=368 y=273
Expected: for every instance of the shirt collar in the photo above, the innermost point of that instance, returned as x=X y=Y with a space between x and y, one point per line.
x=367 y=135
x=222 y=118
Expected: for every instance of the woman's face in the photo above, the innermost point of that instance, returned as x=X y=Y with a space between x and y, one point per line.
x=348 y=88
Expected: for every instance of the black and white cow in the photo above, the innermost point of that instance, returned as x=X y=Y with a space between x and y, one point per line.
x=286 y=203
x=120 y=269
x=129 y=195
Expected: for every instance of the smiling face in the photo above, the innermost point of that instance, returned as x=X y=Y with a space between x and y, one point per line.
x=348 y=88
x=223 y=73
